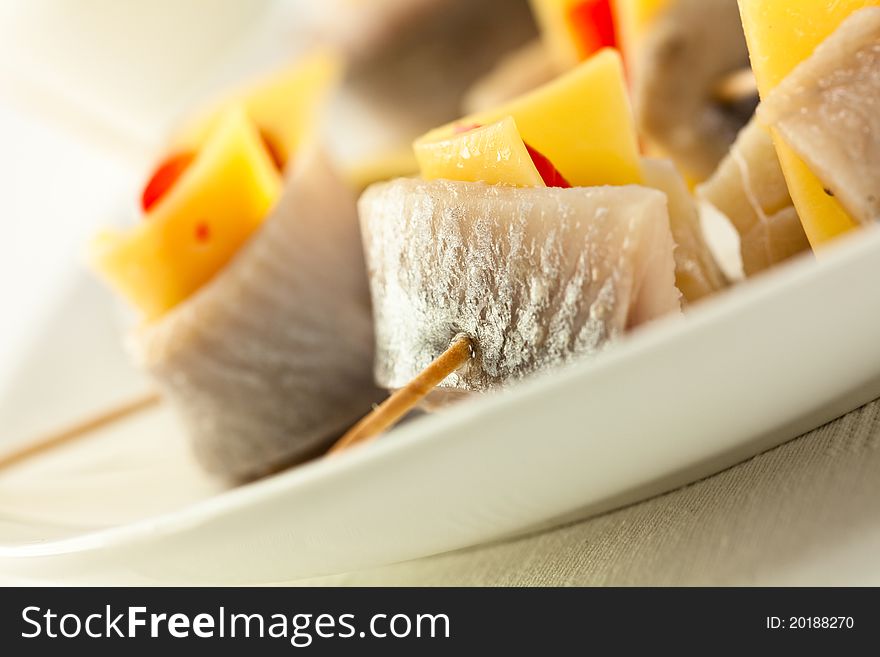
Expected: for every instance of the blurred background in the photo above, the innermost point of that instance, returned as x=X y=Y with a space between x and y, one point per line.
x=88 y=88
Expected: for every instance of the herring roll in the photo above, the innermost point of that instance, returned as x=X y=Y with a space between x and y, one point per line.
x=271 y=360
x=248 y=275
x=828 y=112
x=537 y=276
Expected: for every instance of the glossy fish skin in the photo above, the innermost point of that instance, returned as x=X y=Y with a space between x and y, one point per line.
x=538 y=276
x=271 y=360
x=828 y=111
x=749 y=188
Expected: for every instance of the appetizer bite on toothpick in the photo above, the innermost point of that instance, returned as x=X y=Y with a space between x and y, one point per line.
x=247 y=270
x=827 y=110
x=749 y=189
x=781 y=36
x=532 y=239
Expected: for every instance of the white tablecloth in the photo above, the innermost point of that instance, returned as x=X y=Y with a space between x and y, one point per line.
x=805 y=513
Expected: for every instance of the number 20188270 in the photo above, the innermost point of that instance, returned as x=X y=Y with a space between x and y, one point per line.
x=810 y=623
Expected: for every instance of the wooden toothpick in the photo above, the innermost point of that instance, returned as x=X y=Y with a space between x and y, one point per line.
x=389 y=412
x=79 y=429
x=737 y=86
x=384 y=416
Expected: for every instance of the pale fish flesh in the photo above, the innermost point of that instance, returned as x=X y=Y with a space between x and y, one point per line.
x=697 y=274
x=271 y=360
x=749 y=188
x=537 y=277
x=828 y=111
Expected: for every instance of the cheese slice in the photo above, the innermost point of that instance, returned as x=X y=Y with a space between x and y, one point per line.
x=582 y=122
x=494 y=154
x=212 y=209
x=285 y=106
x=781 y=34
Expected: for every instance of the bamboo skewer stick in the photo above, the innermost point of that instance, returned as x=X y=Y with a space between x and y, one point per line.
x=79 y=429
x=736 y=86
x=383 y=417
x=389 y=412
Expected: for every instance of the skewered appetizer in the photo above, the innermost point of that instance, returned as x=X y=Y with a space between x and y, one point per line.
x=556 y=119
x=528 y=232
x=535 y=235
x=248 y=273
x=686 y=63
x=493 y=308
x=749 y=188
x=827 y=111
x=820 y=114
x=832 y=149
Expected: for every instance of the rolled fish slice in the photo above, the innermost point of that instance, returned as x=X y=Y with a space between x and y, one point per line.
x=697 y=274
x=271 y=360
x=749 y=189
x=537 y=277
x=828 y=111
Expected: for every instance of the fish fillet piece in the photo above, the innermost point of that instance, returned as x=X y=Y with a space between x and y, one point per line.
x=537 y=276
x=697 y=274
x=272 y=359
x=828 y=111
x=749 y=188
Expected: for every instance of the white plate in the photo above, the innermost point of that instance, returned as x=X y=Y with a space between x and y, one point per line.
x=679 y=400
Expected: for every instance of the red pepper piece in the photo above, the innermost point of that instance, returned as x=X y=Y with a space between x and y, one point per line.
x=164 y=177
x=167 y=173
x=593 y=22
x=549 y=173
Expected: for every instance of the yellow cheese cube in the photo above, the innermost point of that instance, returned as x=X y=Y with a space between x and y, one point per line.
x=494 y=154
x=285 y=106
x=198 y=226
x=582 y=122
x=781 y=34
